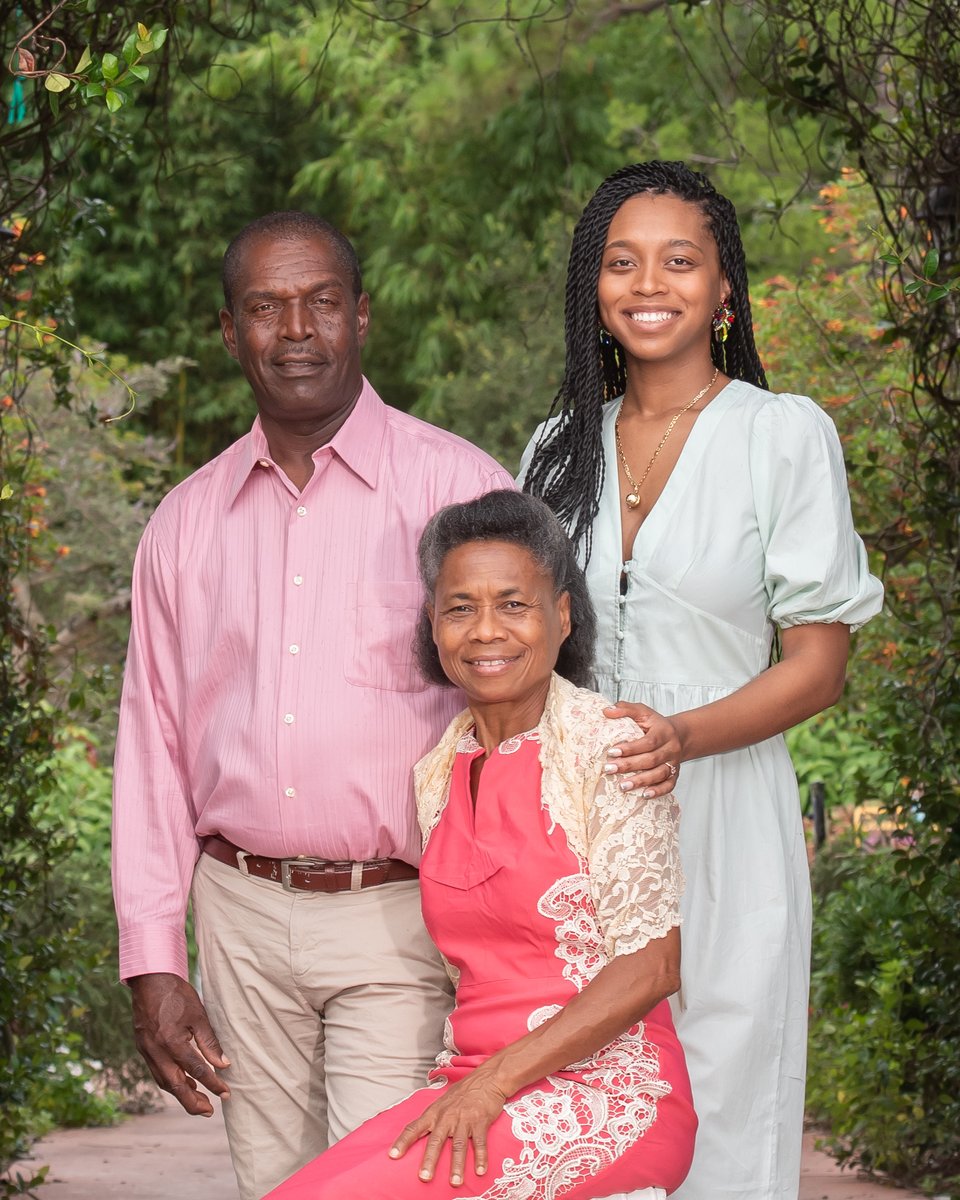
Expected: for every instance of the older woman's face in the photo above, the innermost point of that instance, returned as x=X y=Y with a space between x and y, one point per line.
x=497 y=623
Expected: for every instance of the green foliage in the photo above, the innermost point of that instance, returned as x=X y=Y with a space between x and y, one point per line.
x=457 y=164
x=884 y=1057
x=80 y=805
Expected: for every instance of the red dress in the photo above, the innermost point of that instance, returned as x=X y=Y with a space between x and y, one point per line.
x=507 y=902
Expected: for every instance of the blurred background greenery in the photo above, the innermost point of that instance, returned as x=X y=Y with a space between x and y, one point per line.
x=456 y=143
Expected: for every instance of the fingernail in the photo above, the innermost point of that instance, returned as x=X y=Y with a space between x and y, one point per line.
x=425 y=1176
x=455 y=1180
x=609 y=768
x=393 y=1152
x=648 y=793
x=627 y=785
x=614 y=752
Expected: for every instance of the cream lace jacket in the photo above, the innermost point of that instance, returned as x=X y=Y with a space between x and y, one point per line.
x=627 y=846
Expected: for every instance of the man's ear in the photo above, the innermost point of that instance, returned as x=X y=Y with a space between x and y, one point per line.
x=228 y=332
x=363 y=318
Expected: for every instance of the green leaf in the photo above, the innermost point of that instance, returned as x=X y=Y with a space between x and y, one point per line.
x=892 y=259
x=138 y=71
x=115 y=99
x=913 y=286
x=938 y=292
x=930 y=263
x=158 y=37
x=4 y=322
x=86 y=58
x=93 y=91
x=56 y=82
x=110 y=66
x=130 y=52
x=6 y=492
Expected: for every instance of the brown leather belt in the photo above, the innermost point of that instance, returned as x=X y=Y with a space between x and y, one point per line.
x=310 y=874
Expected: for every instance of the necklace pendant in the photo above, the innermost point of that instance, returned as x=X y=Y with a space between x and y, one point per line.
x=632 y=500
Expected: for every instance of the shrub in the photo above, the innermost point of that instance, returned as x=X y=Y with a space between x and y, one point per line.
x=884 y=1068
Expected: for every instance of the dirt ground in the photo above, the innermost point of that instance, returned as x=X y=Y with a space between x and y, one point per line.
x=168 y=1154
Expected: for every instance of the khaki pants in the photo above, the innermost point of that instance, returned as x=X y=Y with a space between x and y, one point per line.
x=330 y=1007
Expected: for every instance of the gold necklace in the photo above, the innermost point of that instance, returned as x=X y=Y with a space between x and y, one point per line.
x=632 y=498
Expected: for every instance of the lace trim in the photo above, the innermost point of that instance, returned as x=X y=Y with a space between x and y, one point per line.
x=468 y=743
x=628 y=847
x=574 y=1129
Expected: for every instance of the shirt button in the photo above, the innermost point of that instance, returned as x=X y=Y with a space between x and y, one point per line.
x=298 y=579
x=616 y=677
x=294 y=649
x=288 y=718
x=263 y=462
x=290 y=791
x=301 y=511
x=620 y=635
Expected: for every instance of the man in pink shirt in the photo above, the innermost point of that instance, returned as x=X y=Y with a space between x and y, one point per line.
x=271 y=715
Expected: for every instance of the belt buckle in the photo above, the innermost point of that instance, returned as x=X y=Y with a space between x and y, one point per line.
x=303 y=864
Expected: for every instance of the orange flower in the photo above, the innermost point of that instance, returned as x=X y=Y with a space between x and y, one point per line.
x=7 y=402
x=834 y=325
x=63 y=551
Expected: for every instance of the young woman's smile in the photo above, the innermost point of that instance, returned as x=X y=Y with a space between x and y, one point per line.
x=660 y=279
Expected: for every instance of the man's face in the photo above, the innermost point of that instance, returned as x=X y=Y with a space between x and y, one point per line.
x=296 y=330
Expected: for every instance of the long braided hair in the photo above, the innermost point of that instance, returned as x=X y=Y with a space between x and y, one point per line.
x=567 y=466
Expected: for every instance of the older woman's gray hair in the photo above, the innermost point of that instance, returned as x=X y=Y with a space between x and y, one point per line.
x=525 y=521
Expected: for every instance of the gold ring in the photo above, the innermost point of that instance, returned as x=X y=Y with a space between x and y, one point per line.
x=671 y=767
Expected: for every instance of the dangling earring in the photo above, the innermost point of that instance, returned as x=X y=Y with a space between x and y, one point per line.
x=723 y=318
x=606 y=339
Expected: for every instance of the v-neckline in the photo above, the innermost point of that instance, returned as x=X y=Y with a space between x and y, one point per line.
x=690 y=455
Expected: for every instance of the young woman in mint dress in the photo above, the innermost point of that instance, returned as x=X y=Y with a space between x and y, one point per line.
x=713 y=519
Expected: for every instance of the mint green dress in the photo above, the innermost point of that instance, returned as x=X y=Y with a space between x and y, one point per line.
x=752 y=531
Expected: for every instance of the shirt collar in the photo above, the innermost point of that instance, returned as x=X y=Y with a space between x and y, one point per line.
x=358 y=443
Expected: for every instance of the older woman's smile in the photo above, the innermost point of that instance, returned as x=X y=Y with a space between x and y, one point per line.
x=498 y=624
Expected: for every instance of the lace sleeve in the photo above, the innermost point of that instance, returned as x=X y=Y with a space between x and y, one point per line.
x=633 y=853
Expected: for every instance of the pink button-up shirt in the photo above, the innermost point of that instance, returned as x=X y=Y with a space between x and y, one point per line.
x=270 y=693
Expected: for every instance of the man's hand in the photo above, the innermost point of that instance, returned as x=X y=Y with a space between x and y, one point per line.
x=175 y=1037
x=463 y=1115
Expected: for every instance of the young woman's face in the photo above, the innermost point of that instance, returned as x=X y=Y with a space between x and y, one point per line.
x=660 y=279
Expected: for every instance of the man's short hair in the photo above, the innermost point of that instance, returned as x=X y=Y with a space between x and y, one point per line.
x=290 y=226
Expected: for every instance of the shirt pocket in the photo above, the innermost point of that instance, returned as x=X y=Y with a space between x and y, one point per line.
x=384 y=615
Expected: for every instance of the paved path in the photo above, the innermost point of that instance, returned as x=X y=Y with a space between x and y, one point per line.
x=168 y=1154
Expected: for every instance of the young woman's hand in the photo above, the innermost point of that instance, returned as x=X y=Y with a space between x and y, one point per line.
x=650 y=764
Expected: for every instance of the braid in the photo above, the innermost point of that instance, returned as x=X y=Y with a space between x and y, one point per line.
x=567 y=467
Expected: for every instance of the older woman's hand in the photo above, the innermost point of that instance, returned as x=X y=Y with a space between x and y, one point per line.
x=650 y=764
x=463 y=1114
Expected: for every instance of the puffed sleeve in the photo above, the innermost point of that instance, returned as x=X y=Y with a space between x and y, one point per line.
x=816 y=568
x=633 y=856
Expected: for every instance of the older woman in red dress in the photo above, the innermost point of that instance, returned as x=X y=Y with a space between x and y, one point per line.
x=553 y=896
